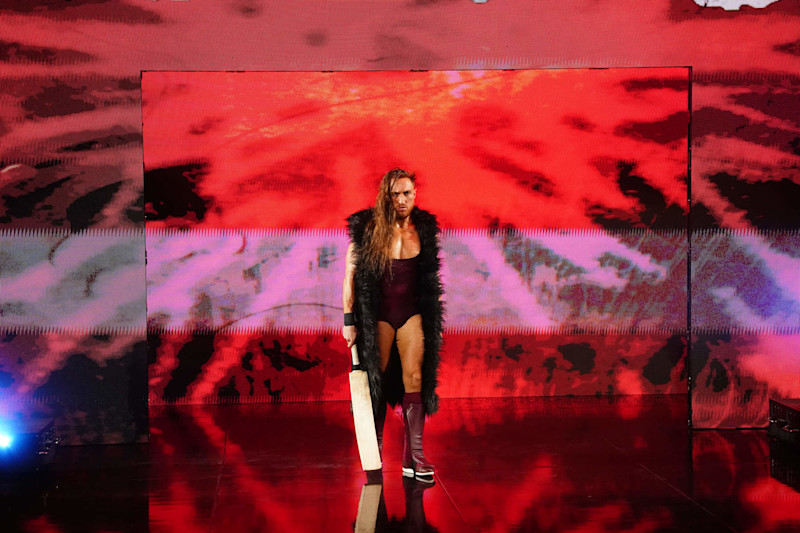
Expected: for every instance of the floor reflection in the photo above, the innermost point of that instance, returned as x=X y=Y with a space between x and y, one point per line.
x=372 y=515
x=545 y=464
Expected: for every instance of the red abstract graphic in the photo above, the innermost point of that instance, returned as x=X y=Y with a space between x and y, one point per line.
x=562 y=195
x=534 y=149
x=203 y=367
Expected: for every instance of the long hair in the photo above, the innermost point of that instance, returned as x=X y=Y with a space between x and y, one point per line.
x=380 y=229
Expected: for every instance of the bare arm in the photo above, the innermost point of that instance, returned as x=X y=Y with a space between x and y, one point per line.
x=348 y=295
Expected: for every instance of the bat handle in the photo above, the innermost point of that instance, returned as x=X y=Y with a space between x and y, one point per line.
x=354 y=354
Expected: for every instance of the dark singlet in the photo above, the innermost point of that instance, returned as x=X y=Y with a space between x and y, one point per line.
x=399 y=292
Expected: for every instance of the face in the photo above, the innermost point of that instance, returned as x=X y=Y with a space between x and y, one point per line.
x=403 y=195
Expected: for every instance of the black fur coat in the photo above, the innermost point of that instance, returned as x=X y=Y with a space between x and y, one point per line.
x=367 y=295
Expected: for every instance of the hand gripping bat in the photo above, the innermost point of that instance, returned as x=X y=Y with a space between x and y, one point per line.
x=362 y=416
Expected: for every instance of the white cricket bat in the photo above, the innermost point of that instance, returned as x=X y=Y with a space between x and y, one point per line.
x=362 y=416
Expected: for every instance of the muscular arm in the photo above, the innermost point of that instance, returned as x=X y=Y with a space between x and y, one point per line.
x=348 y=295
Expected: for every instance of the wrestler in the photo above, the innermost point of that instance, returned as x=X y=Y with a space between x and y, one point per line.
x=393 y=309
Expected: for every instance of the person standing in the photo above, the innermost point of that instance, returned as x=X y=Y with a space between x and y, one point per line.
x=392 y=297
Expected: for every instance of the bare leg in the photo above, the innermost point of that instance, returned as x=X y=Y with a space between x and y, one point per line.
x=385 y=340
x=411 y=345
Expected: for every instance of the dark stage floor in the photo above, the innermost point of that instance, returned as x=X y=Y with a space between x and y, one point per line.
x=543 y=464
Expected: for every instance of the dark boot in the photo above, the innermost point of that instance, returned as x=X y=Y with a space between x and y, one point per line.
x=407 y=461
x=414 y=462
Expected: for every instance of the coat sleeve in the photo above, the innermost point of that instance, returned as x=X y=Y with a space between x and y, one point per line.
x=432 y=307
x=432 y=282
x=357 y=224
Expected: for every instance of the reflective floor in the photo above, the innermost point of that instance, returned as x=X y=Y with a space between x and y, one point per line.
x=544 y=464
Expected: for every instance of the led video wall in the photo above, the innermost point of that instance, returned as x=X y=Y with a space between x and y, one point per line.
x=561 y=195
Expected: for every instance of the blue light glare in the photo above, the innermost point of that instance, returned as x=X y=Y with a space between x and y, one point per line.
x=5 y=441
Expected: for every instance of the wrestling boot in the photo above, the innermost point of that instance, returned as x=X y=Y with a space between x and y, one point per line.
x=414 y=462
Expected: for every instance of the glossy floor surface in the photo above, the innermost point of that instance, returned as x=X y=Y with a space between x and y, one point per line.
x=544 y=464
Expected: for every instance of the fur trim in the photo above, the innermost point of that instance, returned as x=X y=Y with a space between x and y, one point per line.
x=367 y=296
